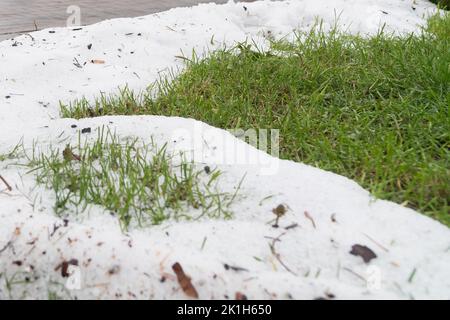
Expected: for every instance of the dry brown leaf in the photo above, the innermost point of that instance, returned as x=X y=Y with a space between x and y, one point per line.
x=184 y=281
x=364 y=252
x=68 y=154
x=97 y=61
x=279 y=211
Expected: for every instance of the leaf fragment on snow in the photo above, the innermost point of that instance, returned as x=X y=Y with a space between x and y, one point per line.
x=240 y=296
x=97 y=61
x=279 y=211
x=69 y=155
x=184 y=281
x=364 y=252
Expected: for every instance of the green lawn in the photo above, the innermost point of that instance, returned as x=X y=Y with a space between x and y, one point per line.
x=373 y=109
x=445 y=4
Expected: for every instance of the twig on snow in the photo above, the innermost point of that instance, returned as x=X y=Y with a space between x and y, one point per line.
x=7 y=245
x=27 y=34
x=377 y=243
x=355 y=274
x=308 y=216
x=277 y=255
x=6 y=183
x=292 y=226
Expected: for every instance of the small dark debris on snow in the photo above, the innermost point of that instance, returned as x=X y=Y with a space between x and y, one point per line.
x=32 y=242
x=279 y=211
x=139 y=34
x=69 y=155
x=114 y=270
x=308 y=216
x=411 y=276
x=77 y=29
x=52 y=31
x=364 y=252
x=240 y=296
x=89 y=46
x=64 y=266
x=163 y=279
x=330 y=295
x=207 y=169
x=76 y=63
x=333 y=218
x=384 y=12
x=18 y=263
x=245 y=8
x=7 y=97
x=7 y=245
x=55 y=228
x=73 y=126
x=86 y=130
x=292 y=226
x=42 y=103
x=234 y=268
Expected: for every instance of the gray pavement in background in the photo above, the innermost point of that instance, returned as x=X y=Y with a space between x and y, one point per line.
x=23 y=16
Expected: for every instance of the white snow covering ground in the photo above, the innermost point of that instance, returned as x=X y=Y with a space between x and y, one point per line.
x=37 y=71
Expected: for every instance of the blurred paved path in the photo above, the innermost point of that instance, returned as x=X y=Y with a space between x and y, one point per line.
x=21 y=16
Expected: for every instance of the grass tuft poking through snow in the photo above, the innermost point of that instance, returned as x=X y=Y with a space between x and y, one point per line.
x=372 y=109
x=139 y=183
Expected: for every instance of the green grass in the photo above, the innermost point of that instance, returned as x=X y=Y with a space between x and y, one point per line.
x=444 y=4
x=373 y=109
x=139 y=183
x=13 y=154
